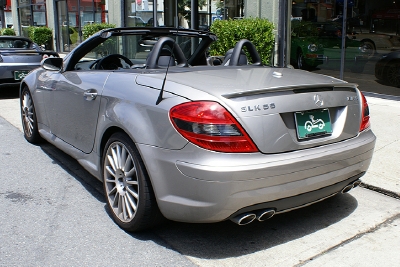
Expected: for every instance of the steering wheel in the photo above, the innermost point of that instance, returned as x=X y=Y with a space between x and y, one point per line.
x=255 y=57
x=98 y=64
x=152 y=60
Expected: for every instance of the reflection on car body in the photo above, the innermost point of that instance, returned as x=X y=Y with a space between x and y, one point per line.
x=172 y=136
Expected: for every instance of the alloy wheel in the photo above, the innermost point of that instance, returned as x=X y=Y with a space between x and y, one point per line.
x=393 y=74
x=121 y=181
x=27 y=111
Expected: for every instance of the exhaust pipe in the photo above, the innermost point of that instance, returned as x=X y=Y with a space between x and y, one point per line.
x=347 y=188
x=263 y=215
x=356 y=183
x=244 y=218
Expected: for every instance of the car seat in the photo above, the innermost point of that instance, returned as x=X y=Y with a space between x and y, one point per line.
x=18 y=44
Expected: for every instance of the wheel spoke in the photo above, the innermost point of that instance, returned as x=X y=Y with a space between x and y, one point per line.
x=113 y=191
x=132 y=182
x=128 y=207
x=124 y=158
x=131 y=172
x=111 y=171
x=131 y=202
x=115 y=157
x=134 y=194
x=111 y=161
x=124 y=211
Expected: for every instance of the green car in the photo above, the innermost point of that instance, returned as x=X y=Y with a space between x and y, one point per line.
x=314 y=44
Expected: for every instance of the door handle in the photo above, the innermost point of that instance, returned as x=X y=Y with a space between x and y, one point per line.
x=90 y=94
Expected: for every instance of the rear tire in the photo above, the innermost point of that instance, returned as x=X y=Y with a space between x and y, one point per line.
x=28 y=117
x=392 y=73
x=128 y=191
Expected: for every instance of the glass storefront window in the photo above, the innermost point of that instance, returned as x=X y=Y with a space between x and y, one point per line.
x=139 y=13
x=31 y=13
x=73 y=15
x=371 y=35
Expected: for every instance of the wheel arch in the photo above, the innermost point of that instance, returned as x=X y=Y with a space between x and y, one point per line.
x=106 y=135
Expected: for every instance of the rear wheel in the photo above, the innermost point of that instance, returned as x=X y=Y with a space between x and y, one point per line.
x=392 y=73
x=369 y=47
x=28 y=117
x=127 y=187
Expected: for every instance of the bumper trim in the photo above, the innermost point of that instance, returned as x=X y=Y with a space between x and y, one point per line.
x=302 y=200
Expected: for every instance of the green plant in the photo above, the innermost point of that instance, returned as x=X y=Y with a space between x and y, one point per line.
x=90 y=29
x=258 y=31
x=7 y=31
x=40 y=35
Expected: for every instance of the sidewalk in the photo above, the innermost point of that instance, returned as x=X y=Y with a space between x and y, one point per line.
x=384 y=172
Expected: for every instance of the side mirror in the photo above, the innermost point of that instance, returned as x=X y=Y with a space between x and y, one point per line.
x=52 y=63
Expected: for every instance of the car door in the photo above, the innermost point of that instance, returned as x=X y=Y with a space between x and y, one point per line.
x=74 y=103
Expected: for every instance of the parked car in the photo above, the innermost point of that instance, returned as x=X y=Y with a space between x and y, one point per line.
x=313 y=44
x=378 y=43
x=387 y=69
x=18 y=56
x=173 y=137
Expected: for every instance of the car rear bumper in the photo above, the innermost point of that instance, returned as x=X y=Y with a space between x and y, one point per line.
x=7 y=71
x=195 y=185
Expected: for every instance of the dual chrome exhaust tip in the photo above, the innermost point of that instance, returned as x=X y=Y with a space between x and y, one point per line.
x=248 y=217
x=350 y=186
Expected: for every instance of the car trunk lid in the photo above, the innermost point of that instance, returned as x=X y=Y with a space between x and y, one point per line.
x=281 y=109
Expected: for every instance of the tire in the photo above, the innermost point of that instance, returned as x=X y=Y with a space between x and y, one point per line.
x=28 y=118
x=129 y=194
x=301 y=64
x=370 y=46
x=392 y=73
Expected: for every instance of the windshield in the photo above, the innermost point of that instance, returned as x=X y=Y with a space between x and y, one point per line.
x=138 y=47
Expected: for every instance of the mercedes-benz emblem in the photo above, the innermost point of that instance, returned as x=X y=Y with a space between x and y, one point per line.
x=318 y=100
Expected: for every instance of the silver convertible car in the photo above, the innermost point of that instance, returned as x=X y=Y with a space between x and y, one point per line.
x=18 y=56
x=173 y=136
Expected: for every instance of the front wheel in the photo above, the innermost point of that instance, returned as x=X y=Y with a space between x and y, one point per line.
x=127 y=187
x=28 y=117
x=301 y=62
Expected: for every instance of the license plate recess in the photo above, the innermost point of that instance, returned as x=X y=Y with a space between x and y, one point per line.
x=313 y=123
x=20 y=74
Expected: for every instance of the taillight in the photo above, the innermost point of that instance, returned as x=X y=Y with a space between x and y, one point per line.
x=210 y=126
x=364 y=114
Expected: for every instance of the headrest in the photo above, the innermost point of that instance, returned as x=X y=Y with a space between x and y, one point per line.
x=166 y=58
x=242 y=59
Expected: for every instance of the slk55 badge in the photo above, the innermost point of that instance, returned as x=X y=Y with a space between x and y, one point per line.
x=258 y=107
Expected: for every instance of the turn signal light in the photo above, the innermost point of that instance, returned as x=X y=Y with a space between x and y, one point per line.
x=209 y=125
